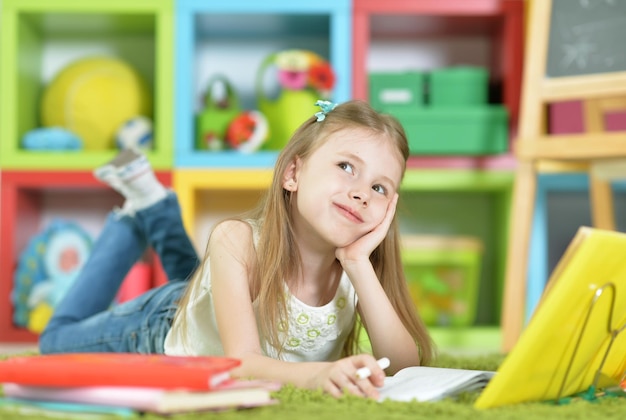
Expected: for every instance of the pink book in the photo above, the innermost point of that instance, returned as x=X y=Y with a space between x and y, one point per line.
x=233 y=394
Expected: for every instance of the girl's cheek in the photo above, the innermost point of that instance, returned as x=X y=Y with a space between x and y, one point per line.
x=381 y=215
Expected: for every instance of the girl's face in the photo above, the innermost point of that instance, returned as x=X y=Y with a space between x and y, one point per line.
x=343 y=189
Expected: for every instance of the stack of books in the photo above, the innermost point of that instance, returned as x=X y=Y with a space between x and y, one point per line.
x=123 y=383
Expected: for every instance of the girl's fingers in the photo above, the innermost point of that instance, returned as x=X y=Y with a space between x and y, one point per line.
x=342 y=387
x=362 y=387
x=343 y=379
x=391 y=211
x=333 y=390
x=353 y=389
x=367 y=389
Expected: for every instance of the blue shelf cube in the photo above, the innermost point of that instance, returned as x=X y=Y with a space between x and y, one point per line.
x=232 y=38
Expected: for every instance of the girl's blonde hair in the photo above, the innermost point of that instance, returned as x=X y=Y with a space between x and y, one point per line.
x=276 y=243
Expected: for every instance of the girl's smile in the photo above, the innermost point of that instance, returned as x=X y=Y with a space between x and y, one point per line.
x=349 y=213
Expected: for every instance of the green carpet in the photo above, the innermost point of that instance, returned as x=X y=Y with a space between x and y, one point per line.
x=297 y=404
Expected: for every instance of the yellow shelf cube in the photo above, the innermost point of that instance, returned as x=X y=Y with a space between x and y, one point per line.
x=207 y=196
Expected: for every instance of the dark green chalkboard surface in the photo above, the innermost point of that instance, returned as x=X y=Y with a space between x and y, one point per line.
x=586 y=37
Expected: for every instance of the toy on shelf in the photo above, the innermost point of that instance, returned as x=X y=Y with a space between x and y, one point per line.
x=442 y=275
x=221 y=106
x=135 y=133
x=46 y=269
x=390 y=91
x=92 y=97
x=247 y=132
x=303 y=77
x=52 y=138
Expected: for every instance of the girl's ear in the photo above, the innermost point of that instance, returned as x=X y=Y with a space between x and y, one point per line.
x=290 y=177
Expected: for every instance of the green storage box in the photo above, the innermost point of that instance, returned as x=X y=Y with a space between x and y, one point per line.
x=458 y=86
x=396 y=91
x=443 y=277
x=456 y=131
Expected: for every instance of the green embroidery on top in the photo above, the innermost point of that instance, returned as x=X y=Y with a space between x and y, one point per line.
x=341 y=302
x=293 y=342
x=282 y=326
x=302 y=319
x=313 y=333
x=332 y=318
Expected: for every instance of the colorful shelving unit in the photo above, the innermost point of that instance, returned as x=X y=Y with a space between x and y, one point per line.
x=178 y=45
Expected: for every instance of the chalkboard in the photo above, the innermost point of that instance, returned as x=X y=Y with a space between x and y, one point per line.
x=586 y=37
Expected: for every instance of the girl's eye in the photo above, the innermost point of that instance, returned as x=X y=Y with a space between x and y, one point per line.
x=379 y=189
x=346 y=167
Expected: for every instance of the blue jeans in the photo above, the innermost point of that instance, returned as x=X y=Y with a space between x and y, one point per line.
x=86 y=321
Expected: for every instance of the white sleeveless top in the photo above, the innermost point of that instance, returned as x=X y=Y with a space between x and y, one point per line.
x=313 y=333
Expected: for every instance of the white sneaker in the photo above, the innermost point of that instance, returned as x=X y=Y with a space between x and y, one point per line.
x=127 y=163
x=130 y=174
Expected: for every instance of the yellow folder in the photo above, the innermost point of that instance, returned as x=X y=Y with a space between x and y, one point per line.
x=575 y=326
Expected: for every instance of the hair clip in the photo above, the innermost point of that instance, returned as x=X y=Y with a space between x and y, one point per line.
x=326 y=106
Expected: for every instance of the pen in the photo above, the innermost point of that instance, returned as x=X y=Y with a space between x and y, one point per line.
x=365 y=372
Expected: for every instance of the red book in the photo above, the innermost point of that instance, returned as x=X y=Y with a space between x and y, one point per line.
x=118 y=369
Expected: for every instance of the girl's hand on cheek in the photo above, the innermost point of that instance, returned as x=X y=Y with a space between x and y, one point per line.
x=362 y=248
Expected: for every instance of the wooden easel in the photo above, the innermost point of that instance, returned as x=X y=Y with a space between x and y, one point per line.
x=535 y=148
x=601 y=172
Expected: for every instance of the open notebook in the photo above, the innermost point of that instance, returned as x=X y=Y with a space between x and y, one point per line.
x=562 y=348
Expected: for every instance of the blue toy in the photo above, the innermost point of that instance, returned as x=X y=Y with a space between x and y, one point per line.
x=46 y=269
x=53 y=138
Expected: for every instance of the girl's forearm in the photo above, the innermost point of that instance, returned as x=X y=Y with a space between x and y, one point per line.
x=388 y=336
x=262 y=367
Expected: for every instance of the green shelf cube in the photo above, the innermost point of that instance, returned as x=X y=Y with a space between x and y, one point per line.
x=138 y=32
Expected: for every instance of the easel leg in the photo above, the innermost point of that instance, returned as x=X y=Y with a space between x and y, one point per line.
x=513 y=307
x=602 y=214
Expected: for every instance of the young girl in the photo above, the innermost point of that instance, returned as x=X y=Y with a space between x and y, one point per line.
x=284 y=289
